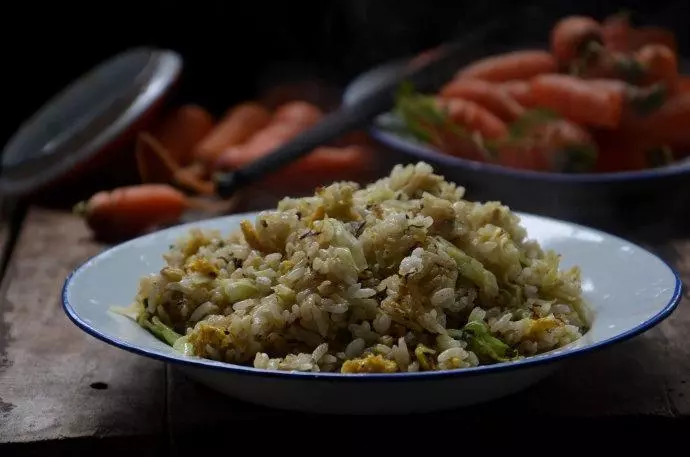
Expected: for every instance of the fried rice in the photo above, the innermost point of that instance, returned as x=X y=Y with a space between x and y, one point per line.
x=402 y=275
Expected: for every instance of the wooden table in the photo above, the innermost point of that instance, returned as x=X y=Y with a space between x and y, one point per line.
x=64 y=392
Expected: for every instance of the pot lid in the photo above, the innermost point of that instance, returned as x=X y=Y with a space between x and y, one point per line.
x=85 y=117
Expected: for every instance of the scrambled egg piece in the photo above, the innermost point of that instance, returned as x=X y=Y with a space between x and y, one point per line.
x=285 y=267
x=250 y=236
x=370 y=364
x=543 y=324
x=318 y=214
x=453 y=363
x=203 y=266
x=172 y=274
x=209 y=335
x=196 y=240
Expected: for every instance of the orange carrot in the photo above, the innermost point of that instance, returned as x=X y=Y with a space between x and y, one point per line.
x=512 y=65
x=288 y=121
x=328 y=159
x=522 y=155
x=579 y=101
x=650 y=65
x=615 y=85
x=264 y=142
x=453 y=125
x=299 y=112
x=520 y=91
x=321 y=166
x=579 y=43
x=606 y=65
x=236 y=127
x=572 y=36
x=556 y=145
x=486 y=95
x=660 y=64
x=668 y=125
x=181 y=131
x=637 y=101
x=472 y=117
x=128 y=211
x=466 y=147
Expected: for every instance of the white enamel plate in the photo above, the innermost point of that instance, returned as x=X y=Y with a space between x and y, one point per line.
x=628 y=289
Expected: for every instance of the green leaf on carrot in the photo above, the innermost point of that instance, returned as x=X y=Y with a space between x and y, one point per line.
x=411 y=104
x=592 y=52
x=522 y=126
x=421 y=116
x=659 y=157
x=630 y=69
x=576 y=158
x=649 y=99
x=395 y=125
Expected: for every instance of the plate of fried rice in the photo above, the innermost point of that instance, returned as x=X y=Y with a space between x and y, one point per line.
x=395 y=297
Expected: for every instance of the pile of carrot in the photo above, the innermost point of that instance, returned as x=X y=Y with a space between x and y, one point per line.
x=178 y=157
x=606 y=96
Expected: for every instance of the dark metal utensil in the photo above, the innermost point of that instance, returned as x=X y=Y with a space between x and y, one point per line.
x=426 y=73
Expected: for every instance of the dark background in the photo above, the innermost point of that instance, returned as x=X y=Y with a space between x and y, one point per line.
x=231 y=48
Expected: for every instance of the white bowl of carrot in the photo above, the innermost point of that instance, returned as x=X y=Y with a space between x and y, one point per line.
x=593 y=127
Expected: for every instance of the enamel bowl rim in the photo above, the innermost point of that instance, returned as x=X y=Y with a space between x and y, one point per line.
x=232 y=369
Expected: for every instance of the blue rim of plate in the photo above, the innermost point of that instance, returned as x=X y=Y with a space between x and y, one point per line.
x=528 y=362
x=419 y=150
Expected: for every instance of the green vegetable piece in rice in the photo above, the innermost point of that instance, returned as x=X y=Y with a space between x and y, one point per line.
x=183 y=346
x=514 y=299
x=455 y=333
x=161 y=331
x=485 y=345
x=471 y=268
x=240 y=289
x=334 y=233
x=138 y=313
x=420 y=353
